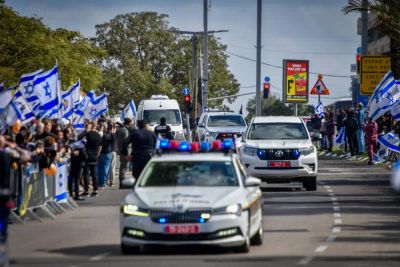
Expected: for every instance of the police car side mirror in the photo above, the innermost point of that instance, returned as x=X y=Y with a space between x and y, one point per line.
x=128 y=182
x=252 y=181
x=201 y=125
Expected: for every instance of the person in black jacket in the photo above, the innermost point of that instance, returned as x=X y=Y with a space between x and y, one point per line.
x=143 y=147
x=93 y=147
x=104 y=161
x=350 y=125
x=78 y=159
x=163 y=130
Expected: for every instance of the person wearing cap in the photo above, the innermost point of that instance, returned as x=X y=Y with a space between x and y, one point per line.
x=143 y=146
x=163 y=130
x=360 y=130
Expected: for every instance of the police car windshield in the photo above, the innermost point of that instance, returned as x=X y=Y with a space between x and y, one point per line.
x=172 y=116
x=189 y=173
x=277 y=131
x=225 y=120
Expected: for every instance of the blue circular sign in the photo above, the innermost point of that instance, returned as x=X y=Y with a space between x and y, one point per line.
x=186 y=91
x=266 y=79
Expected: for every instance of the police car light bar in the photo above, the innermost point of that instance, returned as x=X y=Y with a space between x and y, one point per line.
x=166 y=145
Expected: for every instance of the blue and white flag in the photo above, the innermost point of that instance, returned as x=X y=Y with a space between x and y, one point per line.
x=381 y=155
x=46 y=88
x=385 y=97
x=69 y=99
x=319 y=109
x=78 y=121
x=77 y=144
x=19 y=109
x=26 y=88
x=390 y=141
x=5 y=99
x=96 y=107
x=129 y=111
x=340 y=138
x=61 y=180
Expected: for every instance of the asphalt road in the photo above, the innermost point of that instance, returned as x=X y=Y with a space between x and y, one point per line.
x=352 y=220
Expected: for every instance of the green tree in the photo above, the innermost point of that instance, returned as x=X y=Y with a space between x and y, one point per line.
x=26 y=45
x=145 y=57
x=388 y=15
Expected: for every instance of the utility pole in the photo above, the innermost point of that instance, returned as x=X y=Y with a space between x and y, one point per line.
x=205 y=60
x=364 y=33
x=194 y=65
x=258 y=70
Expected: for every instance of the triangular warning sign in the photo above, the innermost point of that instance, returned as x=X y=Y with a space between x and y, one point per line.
x=319 y=88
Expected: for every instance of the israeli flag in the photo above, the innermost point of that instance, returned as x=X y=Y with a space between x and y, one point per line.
x=26 y=87
x=381 y=155
x=77 y=144
x=385 y=97
x=129 y=111
x=69 y=99
x=319 y=109
x=390 y=140
x=19 y=109
x=46 y=88
x=340 y=138
x=96 y=107
x=395 y=178
x=78 y=121
x=5 y=99
x=61 y=180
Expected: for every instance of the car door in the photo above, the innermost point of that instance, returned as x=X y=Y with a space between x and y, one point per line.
x=254 y=200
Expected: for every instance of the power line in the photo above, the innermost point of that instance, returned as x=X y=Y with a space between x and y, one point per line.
x=296 y=52
x=280 y=67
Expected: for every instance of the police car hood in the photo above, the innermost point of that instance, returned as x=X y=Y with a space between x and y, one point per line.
x=183 y=198
x=272 y=144
x=227 y=129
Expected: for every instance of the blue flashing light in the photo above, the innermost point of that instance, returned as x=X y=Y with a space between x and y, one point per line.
x=205 y=146
x=165 y=144
x=227 y=144
x=296 y=153
x=201 y=220
x=184 y=146
x=261 y=153
x=162 y=220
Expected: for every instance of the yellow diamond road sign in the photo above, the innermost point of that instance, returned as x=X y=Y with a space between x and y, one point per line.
x=373 y=68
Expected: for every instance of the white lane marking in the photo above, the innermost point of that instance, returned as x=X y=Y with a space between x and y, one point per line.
x=331 y=238
x=333 y=198
x=332 y=194
x=338 y=221
x=337 y=215
x=100 y=256
x=329 y=190
x=335 y=203
x=327 y=186
x=336 y=229
x=321 y=249
x=336 y=208
x=306 y=260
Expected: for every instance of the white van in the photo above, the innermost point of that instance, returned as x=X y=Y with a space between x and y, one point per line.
x=158 y=106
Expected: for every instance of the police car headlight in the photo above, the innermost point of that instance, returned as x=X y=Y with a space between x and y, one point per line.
x=307 y=150
x=133 y=210
x=251 y=151
x=231 y=209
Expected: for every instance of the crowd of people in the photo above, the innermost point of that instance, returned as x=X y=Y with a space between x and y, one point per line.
x=93 y=153
x=360 y=131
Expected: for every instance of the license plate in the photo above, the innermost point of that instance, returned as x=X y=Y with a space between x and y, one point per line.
x=182 y=229
x=279 y=164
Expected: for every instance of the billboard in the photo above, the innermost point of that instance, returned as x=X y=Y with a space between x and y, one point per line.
x=295 y=81
x=373 y=68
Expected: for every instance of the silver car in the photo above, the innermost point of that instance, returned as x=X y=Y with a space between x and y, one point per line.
x=183 y=199
x=220 y=125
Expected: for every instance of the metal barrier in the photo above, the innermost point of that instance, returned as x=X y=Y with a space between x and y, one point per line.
x=36 y=193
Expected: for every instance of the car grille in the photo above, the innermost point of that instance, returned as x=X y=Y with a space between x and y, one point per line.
x=222 y=136
x=190 y=216
x=279 y=154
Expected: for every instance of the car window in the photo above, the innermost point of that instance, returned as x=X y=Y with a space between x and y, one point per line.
x=225 y=120
x=189 y=173
x=172 y=116
x=277 y=131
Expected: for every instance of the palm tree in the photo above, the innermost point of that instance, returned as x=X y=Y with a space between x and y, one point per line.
x=388 y=15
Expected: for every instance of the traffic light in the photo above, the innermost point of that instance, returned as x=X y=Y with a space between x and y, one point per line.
x=266 y=90
x=188 y=103
x=358 y=58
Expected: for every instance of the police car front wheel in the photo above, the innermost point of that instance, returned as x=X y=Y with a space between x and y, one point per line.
x=127 y=250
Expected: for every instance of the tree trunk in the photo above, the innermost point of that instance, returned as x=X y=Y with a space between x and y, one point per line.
x=395 y=57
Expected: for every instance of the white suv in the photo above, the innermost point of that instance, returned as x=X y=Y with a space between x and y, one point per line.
x=279 y=149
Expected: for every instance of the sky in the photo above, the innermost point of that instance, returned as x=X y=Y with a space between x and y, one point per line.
x=314 y=30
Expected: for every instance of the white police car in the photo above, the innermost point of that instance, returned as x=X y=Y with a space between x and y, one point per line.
x=193 y=198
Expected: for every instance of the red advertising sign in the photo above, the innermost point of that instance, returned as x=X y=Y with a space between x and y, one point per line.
x=295 y=81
